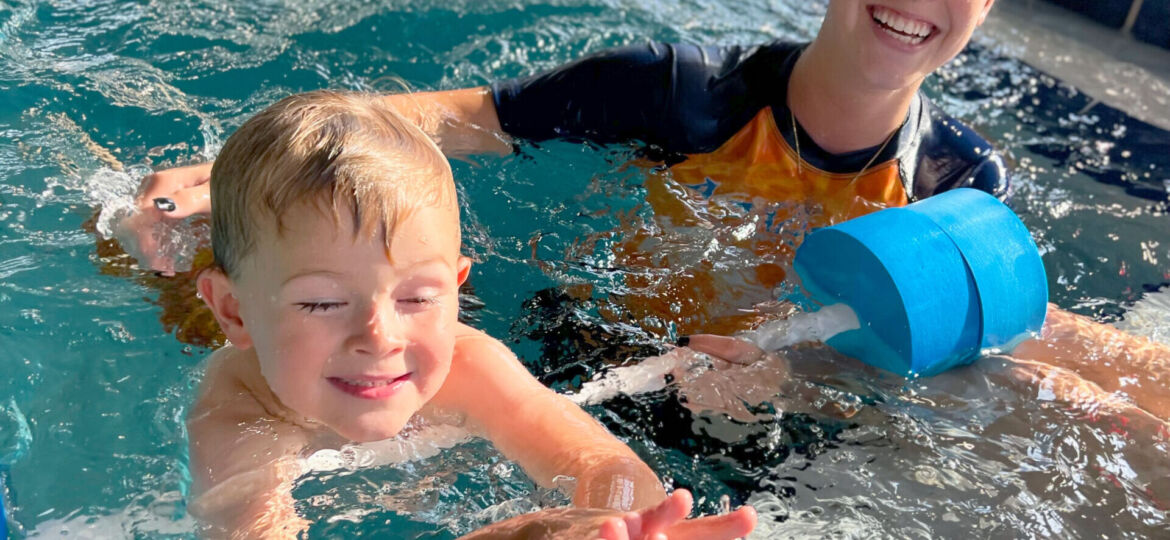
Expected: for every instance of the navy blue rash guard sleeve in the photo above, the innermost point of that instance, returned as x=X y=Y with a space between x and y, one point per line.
x=680 y=98
x=612 y=96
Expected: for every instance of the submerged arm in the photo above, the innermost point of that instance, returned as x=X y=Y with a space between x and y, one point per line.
x=1112 y=359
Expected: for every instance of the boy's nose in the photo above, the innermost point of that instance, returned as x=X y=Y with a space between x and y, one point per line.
x=381 y=335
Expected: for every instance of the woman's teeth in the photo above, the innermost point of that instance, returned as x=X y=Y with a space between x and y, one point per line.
x=905 y=30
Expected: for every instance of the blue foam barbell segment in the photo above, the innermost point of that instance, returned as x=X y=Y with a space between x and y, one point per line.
x=1002 y=258
x=932 y=283
x=3 y=511
x=906 y=304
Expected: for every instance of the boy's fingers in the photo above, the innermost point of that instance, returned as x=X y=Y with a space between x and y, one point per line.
x=728 y=348
x=633 y=521
x=613 y=529
x=737 y=524
x=668 y=512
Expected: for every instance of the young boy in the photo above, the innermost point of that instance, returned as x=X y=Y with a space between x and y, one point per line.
x=336 y=238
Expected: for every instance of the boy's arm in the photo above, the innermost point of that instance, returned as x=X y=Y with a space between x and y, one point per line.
x=243 y=461
x=547 y=434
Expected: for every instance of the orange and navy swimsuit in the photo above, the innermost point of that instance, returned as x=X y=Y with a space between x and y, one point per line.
x=717 y=118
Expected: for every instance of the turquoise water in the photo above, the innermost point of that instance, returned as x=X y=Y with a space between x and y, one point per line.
x=95 y=93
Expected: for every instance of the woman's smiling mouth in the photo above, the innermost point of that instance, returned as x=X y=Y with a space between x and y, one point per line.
x=905 y=29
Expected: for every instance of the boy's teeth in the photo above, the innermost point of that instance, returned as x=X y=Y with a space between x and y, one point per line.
x=914 y=31
x=367 y=384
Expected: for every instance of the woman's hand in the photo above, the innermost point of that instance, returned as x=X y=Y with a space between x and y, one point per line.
x=730 y=349
x=166 y=197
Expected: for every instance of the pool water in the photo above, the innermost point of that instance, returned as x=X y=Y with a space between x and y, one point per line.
x=98 y=377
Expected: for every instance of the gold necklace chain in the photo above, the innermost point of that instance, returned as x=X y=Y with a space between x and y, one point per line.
x=799 y=160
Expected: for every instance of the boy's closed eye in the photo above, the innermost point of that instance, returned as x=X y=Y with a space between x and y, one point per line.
x=418 y=303
x=315 y=307
x=425 y=300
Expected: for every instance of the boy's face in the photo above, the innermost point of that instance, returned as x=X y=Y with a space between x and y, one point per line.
x=896 y=43
x=346 y=335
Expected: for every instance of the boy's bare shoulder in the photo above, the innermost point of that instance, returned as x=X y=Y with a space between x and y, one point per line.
x=224 y=391
x=232 y=430
x=470 y=342
x=482 y=365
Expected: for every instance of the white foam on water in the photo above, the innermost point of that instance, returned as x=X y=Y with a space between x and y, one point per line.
x=641 y=378
x=422 y=441
x=1149 y=317
x=151 y=515
x=114 y=192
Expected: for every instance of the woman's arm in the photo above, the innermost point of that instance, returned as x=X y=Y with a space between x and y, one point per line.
x=1110 y=358
x=665 y=521
x=461 y=122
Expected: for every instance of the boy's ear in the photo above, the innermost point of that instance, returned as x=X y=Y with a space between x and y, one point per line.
x=219 y=295
x=463 y=269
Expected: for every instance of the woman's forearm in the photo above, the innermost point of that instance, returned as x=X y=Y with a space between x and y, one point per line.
x=462 y=122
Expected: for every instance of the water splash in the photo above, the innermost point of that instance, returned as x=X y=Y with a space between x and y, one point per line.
x=415 y=443
x=1149 y=317
x=15 y=435
x=114 y=192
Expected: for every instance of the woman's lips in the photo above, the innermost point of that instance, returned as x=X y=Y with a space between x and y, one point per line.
x=366 y=387
x=901 y=28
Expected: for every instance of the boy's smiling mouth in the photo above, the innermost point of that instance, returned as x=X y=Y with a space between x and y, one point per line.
x=901 y=27
x=369 y=387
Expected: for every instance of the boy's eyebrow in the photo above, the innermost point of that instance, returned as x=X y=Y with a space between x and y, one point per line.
x=309 y=272
x=438 y=260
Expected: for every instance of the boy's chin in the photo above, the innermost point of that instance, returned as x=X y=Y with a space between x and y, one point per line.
x=372 y=429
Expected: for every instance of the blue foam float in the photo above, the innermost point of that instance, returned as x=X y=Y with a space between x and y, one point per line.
x=3 y=511
x=932 y=284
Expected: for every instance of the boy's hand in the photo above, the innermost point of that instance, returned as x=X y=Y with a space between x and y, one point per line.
x=167 y=196
x=664 y=521
x=667 y=521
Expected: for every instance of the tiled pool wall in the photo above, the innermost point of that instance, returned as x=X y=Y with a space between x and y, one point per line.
x=1146 y=20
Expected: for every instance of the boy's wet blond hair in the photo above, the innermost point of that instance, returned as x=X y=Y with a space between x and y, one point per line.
x=347 y=153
